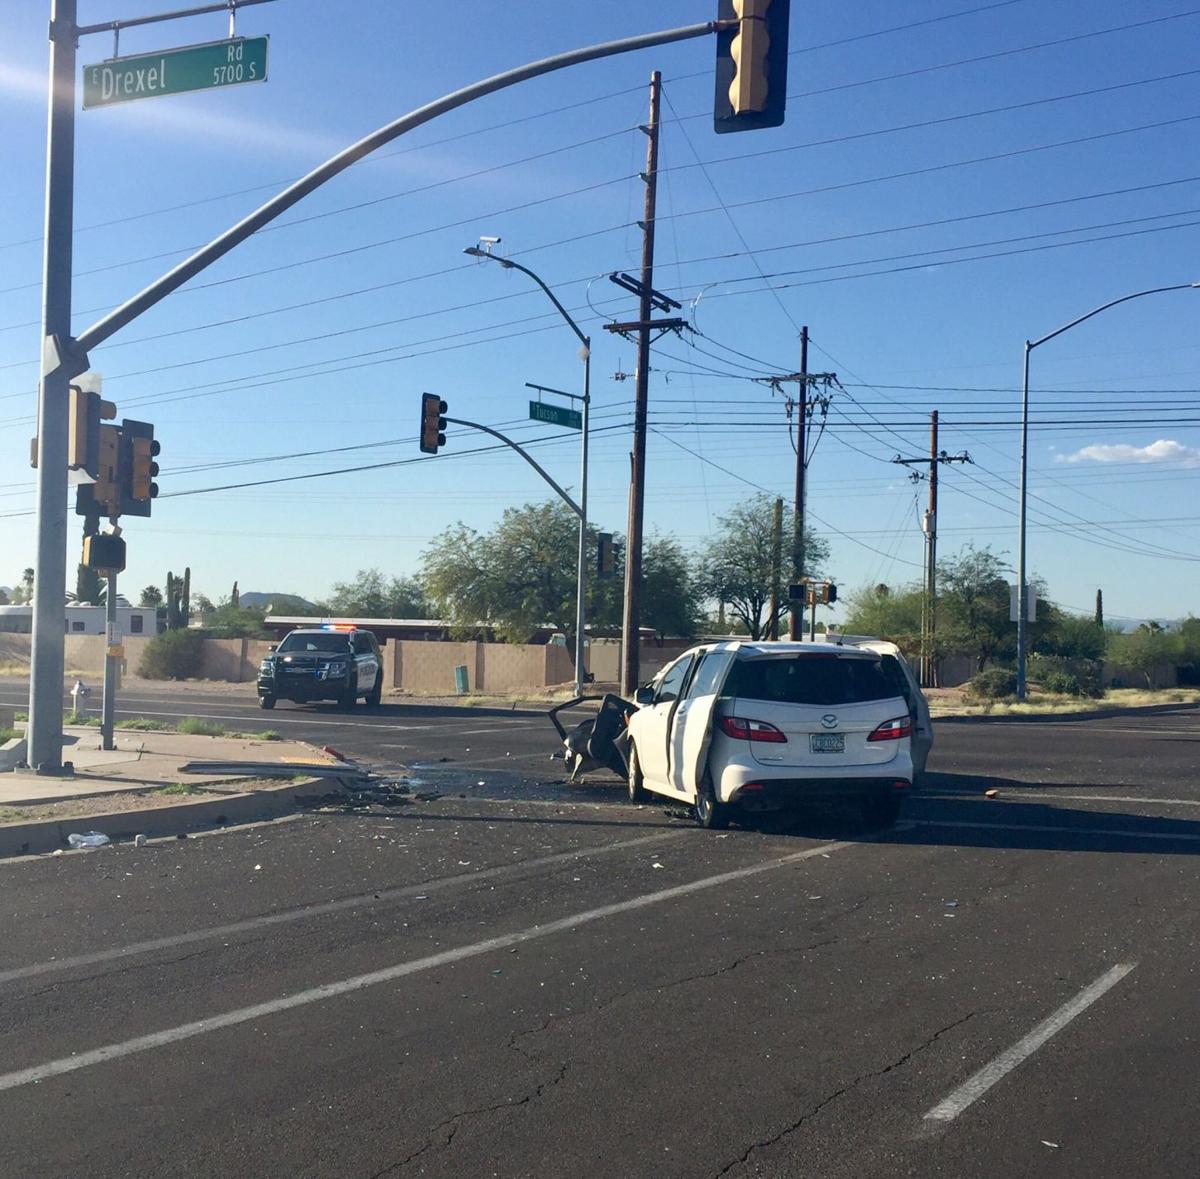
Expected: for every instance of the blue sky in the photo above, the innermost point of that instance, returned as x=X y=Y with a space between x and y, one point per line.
x=952 y=179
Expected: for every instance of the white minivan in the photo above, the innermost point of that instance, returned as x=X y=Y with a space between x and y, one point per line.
x=767 y=724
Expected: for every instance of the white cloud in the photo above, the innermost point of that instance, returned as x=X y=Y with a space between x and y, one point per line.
x=1165 y=450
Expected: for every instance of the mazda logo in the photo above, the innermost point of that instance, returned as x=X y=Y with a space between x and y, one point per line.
x=829 y=721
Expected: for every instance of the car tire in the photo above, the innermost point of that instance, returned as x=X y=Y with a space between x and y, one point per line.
x=710 y=814
x=637 y=782
x=267 y=702
x=881 y=811
x=375 y=695
x=349 y=697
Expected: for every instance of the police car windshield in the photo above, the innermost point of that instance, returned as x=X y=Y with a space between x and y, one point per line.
x=323 y=641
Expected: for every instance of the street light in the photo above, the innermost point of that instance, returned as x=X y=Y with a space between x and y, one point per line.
x=585 y=353
x=1030 y=345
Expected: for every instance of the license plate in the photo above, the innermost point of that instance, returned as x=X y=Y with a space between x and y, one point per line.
x=827 y=742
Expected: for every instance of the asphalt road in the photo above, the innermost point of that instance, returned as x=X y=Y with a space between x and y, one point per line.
x=529 y=978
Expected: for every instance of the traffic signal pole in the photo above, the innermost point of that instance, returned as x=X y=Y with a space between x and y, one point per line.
x=110 y=663
x=44 y=736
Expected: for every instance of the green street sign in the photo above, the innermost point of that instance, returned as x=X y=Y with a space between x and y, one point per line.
x=556 y=415
x=175 y=71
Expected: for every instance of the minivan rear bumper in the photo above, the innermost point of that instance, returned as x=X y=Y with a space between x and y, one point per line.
x=752 y=786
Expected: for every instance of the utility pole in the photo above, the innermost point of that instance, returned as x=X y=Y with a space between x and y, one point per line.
x=928 y=656
x=631 y=621
x=776 y=570
x=796 y=625
x=936 y=457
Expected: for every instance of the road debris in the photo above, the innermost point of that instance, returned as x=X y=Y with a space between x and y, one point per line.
x=88 y=839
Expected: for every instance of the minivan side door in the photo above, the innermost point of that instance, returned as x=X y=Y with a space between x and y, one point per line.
x=691 y=734
x=653 y=722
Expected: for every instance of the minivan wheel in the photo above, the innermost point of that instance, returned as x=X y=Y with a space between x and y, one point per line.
x=881 y=811
x=636 y=781
x=710 y=814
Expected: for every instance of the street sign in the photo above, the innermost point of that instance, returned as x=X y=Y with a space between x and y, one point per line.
x=175 y=71
x=556 y=415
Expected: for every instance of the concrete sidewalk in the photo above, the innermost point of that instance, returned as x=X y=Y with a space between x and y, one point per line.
x=138 y=788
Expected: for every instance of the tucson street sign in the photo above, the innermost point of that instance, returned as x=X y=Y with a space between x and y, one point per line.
x=175 y=71
x=557 y=415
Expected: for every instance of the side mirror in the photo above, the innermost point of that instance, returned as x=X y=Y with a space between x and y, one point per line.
x=273 y=647
x=644 y=695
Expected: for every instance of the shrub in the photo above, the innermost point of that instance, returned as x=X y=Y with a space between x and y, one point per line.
x=994 y=683
x=173 y=655
x=1068 y=677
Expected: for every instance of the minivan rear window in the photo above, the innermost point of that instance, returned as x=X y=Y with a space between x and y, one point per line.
x=807 y=679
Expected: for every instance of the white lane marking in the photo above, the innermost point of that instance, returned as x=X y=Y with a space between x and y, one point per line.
x=1080 y=797
x=974 y=1088
x=231 y=829
x=199 y=1027
x=1123 y=832
x=473 y=732
x=361 y=901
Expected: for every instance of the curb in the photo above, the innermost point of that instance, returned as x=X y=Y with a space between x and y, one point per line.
x=51 y=834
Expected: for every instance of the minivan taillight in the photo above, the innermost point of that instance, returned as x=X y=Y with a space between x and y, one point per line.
x=751 y=730
x=892 y=730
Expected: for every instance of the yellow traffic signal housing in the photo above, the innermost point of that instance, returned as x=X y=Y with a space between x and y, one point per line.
x=433 y=422
x=104 y=552
x=142 y=485
x=85 y=409
x=752 y=61
x=105 y=491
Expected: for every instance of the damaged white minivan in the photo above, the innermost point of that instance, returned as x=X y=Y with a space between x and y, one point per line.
x=765 y=725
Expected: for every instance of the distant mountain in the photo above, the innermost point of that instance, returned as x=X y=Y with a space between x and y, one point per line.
x=279 y=603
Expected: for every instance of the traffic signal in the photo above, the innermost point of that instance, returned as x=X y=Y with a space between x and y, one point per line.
x=144 y=467
x=752 y=59
x=85 y=409
x=433 y=422
x=103 y=497
x=136 y=468
x=828 y=592
x=606 y=561
x=104 y=552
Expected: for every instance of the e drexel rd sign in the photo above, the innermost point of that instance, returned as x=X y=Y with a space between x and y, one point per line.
x=175 y=71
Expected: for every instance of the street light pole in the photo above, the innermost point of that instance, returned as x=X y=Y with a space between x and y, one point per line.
x=1022 y=583
x=585 y=353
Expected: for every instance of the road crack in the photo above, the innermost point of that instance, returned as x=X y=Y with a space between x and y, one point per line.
x=900 y=1062
x=444 y=1133
x=716 y=972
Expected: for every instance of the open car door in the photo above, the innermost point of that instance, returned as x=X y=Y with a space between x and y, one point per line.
x=898 y=669
x=691 y=732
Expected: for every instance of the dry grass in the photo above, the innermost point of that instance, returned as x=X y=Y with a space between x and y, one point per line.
x=1048 y=704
